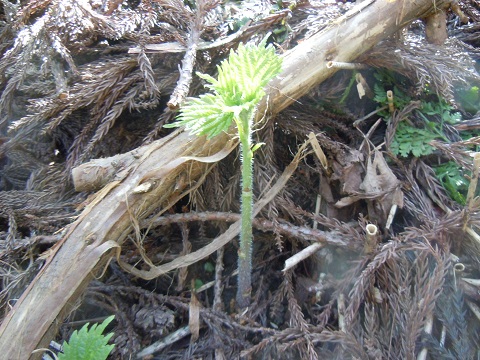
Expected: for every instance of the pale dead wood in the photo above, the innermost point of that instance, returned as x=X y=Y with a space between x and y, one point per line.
x=188 y=62
x=372 y=238
x=95 y=174
x=165 y=173
x=105 y=223
x=301 y=255
x=223 y=239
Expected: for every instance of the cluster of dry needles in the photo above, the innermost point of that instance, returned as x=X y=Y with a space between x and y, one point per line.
x=358 y=253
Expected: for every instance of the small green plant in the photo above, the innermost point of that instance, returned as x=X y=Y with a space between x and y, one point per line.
x=234 y=98
x=442 y=109
x=410 y=140
x=88 y=344
x=453 y=180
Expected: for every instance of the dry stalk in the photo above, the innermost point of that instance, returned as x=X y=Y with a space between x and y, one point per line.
x=341 y=313
x=371 y=238
x=163 y=343
x=301 y=255
x=473 y=182
x=345 y=65
x=223 y=239
x=475 y=309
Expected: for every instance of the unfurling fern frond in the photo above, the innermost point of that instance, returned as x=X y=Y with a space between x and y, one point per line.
x=204 y=116
x=238 y=89
x=236 y=94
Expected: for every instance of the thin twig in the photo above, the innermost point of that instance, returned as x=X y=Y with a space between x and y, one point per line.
x=357 y=122
x=299 y=232
x=188 y=62
x=302 y=255
x=163 y=343
x=473 y=182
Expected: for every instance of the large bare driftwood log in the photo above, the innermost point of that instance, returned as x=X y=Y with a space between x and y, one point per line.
x=166 y=171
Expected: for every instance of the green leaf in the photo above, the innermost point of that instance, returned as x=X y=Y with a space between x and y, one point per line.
x=236 y=92
x=408 y=140
x=257 y=146
x=206 y=115
x=452 y=178
x=443 y=109
x=380 y=94
x=209 y=267
x=198 y=284
x=88 y=344
x=417 y=152
x=243 y=76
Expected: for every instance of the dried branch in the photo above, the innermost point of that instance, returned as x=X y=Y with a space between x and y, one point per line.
x=421 y=62
x=188 y=62
x=300 y=232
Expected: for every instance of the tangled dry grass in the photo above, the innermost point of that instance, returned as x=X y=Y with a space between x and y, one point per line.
x=72 y=92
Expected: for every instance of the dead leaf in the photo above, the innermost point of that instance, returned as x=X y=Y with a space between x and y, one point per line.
x=318 y=150
x=347 y=168
x=379 y=186
x=194 y=317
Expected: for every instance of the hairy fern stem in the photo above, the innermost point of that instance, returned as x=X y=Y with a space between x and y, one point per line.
x=234 y=97
x=246 y=237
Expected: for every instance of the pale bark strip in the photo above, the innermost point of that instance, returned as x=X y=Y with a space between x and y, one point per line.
x=305 y=66
x=301 y=255
x=81 y=254
x=223 y=239
x=188 y=62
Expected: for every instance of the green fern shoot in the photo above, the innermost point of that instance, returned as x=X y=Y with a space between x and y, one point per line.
x=88 y=344
x=234 y=97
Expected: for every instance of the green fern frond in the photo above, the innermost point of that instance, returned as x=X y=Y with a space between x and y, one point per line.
x=236 y=93
x=410 y=140
x=88 y=344
x=239 y=87
x=249 y=69
x=205 y=115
